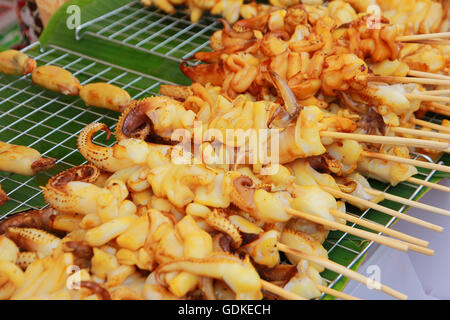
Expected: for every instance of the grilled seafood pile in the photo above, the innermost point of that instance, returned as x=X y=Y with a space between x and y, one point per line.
x=178 y=208
x=320 y=58
x=135 y=224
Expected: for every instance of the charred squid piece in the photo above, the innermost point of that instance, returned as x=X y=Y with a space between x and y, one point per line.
x=133 y=123
x=22 y=160
x=97 y=289
x=372 y=123
x=245 y=26
x=110 y=159
x=39 y=219
x=16 y=63
x=204 y=73
x=155 y=116
x=280 y=273
x=258 y=202
x=218 y=220
x=264 y=250
x=325 y=164
x=35 y=240
x=82 y=252
x=240 y=37
x=290 y=102
x=62 y=198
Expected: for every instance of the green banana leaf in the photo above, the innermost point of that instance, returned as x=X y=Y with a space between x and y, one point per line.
x=121 y=57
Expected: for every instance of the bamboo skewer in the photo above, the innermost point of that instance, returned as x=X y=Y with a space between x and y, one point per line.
x=393 y=243
x=421 y=133
x=280 y=291
x=336 y=293
x=428 y=184
x=417 y=163
x=343 y=270
x=435 y=42
x=439 y=110
x=425 y=97
x=440 y=106
x=408 y=202
x=425 y=36
x=422 y=74
x=431 y=125
x=420 y=143
x=444 y=92
x=375 y=206
x=396 y=79
x=380 y=228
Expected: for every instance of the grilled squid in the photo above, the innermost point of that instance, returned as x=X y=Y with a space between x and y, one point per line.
x=105 y=95
x=387 y=171
x=56 y=79
x=122 y=155
x=238 y=274
x=22 y=160
x=16 y=63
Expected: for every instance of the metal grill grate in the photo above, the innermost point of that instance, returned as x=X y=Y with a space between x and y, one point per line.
x=151 y=30
x=49 y=122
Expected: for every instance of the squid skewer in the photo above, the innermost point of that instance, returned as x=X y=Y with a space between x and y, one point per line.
x=428 y=184
x=421 y=133
x=22 y=160
x=385 y=210
x=411 y=203
x=431 y=125
x=417 y=163
x=340 y=269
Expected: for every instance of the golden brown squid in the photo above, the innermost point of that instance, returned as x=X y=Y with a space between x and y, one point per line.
x=22 y=160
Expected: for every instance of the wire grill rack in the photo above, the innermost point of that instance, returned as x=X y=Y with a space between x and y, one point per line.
x=50 y=123
x=151 y=30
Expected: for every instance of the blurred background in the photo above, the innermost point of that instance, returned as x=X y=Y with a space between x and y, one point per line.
x=22 y=21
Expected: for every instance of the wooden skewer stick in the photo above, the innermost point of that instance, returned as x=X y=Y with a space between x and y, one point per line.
x=440 y=106
x=420 y=143
x=425 y=36
x=395 y=79
x=438 y=110
x=333 y=266
x=336 y=293
x=444 y=92
x=375 y=226
x=280 y=291
x=417 y=163
x=422 y=74
x=421 y=133
x=375 y=206
x=379 y=227
x=435 y=42
x=408 y=202
x=393 y=243
x=428 y=184
x=431 y=125
x=425 y=97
